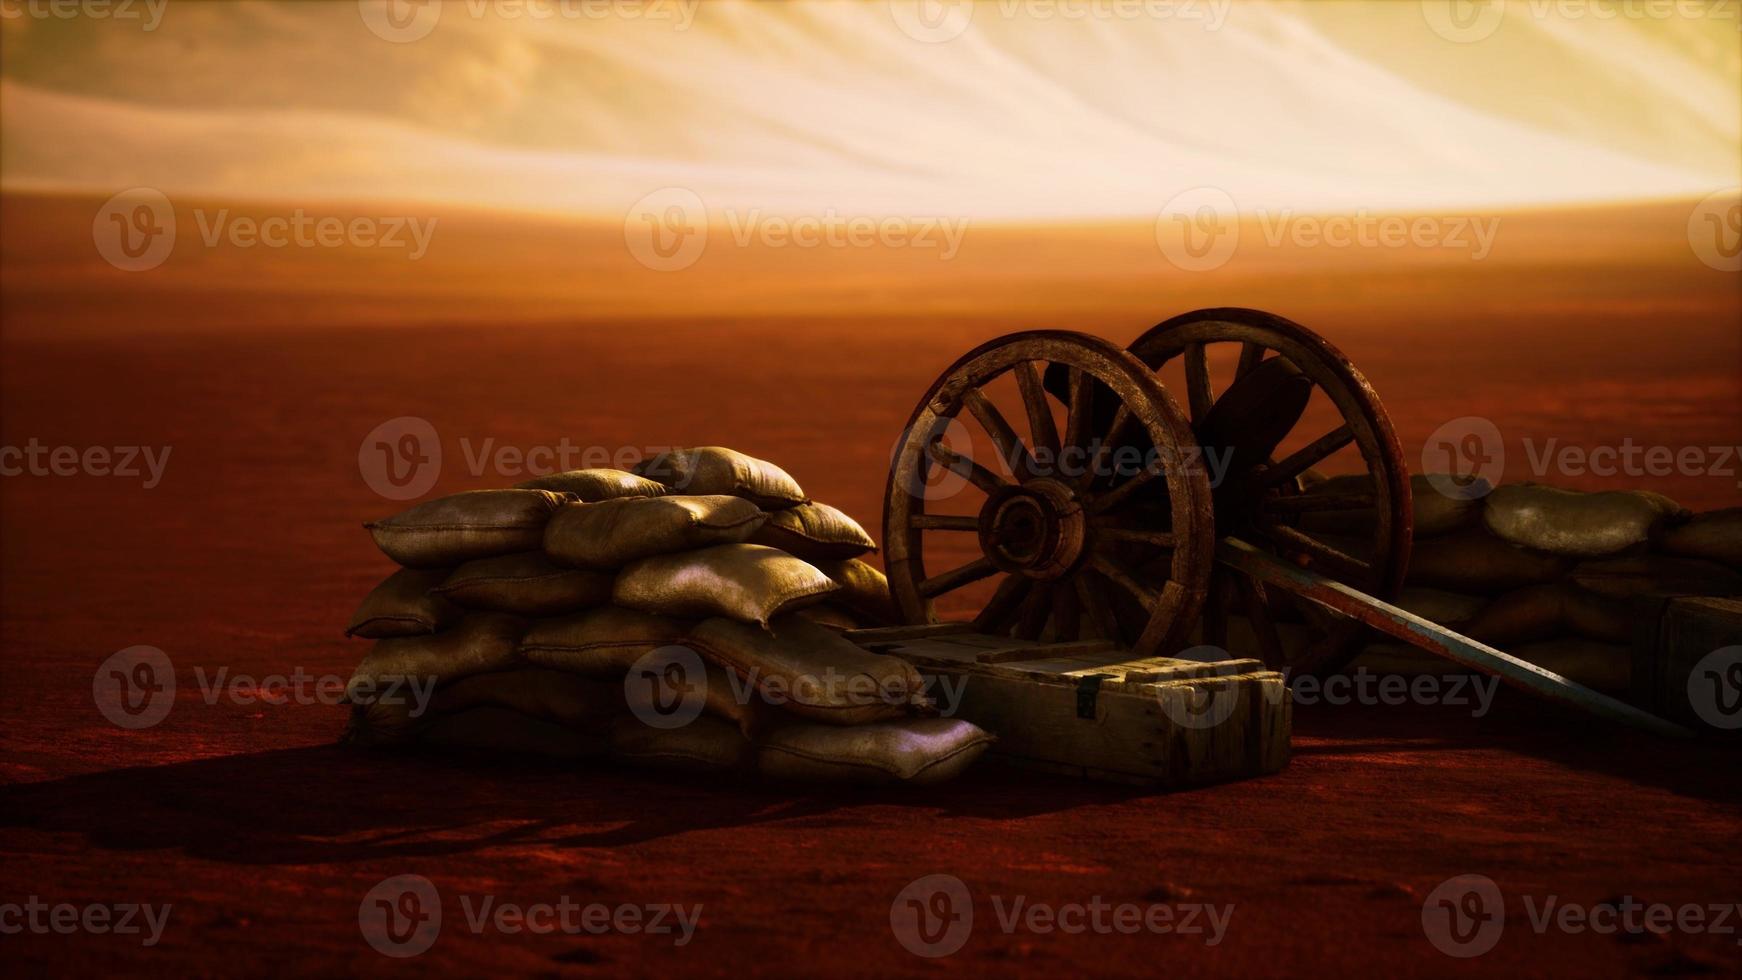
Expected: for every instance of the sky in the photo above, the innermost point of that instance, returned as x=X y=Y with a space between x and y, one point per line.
x=1008 y=109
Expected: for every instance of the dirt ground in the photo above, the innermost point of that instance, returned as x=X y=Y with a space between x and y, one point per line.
x=265 y=836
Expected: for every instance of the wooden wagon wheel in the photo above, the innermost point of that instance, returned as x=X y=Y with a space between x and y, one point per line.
x=1066 y=525
x=1259 y=499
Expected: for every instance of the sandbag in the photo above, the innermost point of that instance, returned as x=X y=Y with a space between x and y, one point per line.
x=527 y=584
x=1657 y=576
x=474 y=524
x=1604 y=667
x=833 y=616
x=814 y=532
x=1582 y=525
x=501 y=731
x=595 y=484
x=1403 y=660
x=478 y=643
x=1474 y=561
x=1433 y=512
x=600 y=643
x=811 y=671
x=613 y=533
x=402 y=605
x=864 y=590
x=1715 y=536
x=716 y=469
x=704 y=745
x=748 y=582
x=1544 y=612
x=919 y=751
x=551 y=695
x=1438 y=605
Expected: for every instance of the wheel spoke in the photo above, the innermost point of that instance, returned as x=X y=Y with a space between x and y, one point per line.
x=1065 y=624
x=1011 y=451
x=1035 y=610
x=998 y=614
x=1314 y=452
x=1197 y=363
x=1095 y=604
x=1107 y=501
x=1250 y=355
x=1121 y=417
x=955 y=578
x=1116 y=573
x=943 y=522
x=1161 y=539
x=1257 y=606
x=1216 y=611
x=978 y=475
x=1307 y=503
x=1041 y=427
x=1317 y=552
x=1079 y=420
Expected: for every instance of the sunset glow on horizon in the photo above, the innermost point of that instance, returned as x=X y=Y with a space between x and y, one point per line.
x=807 y=108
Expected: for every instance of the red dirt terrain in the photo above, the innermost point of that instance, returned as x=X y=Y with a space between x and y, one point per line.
x=265 y=836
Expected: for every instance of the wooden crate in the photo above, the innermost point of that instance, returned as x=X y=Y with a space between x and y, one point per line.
x=1085 y=709
x=1689 y=631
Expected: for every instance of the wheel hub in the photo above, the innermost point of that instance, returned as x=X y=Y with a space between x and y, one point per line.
x=1036 y=529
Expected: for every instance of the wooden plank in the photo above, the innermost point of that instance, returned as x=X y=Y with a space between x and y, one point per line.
x=880 y=634
x=1044 y=651
x=1691 y=630
x=1134 y=737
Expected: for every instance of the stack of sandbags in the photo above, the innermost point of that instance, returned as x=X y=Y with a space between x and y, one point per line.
x=1568 y=580
x=685 y=615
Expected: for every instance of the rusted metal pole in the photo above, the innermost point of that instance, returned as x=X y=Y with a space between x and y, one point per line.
x=1435 y=639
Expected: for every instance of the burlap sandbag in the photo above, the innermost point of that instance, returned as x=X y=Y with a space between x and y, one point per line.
x=403 y=605
x=458 y=528
x=1602 y=666
x=704 y=745
x=595 y=484
x=1567 y=522
x=833 y=616
x=1438 y=605
x=1474 y=561
x=747 y=582
x=1545 y=612
x=551 y=695
x=1716 y=536
x=478 y=643
x=600 y=643
x=1433 y=512
x=811 y=671
x=499 y=731
x=1404 y=661
x=613 y=533
x=1657 y=575
x=716 y=469
x=527 y=584
x=814 y=532
x=917 y=751
x=864 y=590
